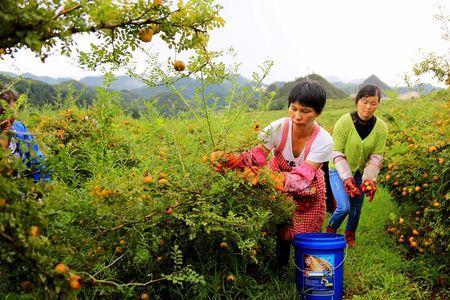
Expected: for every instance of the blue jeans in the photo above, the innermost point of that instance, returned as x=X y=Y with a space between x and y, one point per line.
x=346 y=205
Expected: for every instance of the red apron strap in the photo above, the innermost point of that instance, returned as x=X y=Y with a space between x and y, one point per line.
x=311 y=140
x=278 y=163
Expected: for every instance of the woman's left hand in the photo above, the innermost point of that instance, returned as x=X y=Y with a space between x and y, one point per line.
x=369 y=187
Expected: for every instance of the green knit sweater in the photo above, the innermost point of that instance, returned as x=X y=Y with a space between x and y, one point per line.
x=347 y=140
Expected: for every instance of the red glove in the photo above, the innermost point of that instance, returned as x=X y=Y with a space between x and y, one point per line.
x=369 y=187
x=351 y=188
x=254 y=157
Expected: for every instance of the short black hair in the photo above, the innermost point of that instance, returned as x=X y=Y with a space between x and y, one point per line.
x=308 y=93
x=8 y=96
x=369 y=90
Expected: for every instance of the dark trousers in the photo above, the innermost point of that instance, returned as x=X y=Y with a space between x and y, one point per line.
x=282 y=252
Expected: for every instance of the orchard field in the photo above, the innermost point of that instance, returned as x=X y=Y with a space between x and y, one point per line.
x=135 y=210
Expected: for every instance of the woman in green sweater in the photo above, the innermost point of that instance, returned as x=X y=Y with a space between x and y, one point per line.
x=359 y=142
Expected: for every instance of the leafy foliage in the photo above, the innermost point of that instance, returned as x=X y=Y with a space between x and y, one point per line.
x=417 y=175
x=41 y=25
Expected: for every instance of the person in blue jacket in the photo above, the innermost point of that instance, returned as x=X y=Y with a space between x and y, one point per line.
x=15 y=137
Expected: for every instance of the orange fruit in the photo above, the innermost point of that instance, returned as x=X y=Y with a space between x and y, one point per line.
x=413 y=244
x=432 y=149
x=417 y=188
x=75 y=277
x=144 y=296
x=34 y=230
x=163 y=181
x=158 y=2
x=436 y=204
x=61 y=268
x=179 y=66
x=401 y=221
x=2 y=202
x=231 y=278
x=169 y=210
x=148 y=179
x=145 y=34
x=415 y=232
x=75 y=284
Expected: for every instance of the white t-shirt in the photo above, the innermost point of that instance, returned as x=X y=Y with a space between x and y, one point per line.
x=320 y=151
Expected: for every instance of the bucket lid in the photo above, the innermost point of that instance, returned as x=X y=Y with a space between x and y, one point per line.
x=319 y=241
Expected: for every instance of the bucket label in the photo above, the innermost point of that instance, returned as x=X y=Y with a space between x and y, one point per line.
x=318 y=277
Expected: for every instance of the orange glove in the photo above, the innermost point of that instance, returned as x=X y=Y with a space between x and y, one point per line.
x=351 y=188
x=369 y=187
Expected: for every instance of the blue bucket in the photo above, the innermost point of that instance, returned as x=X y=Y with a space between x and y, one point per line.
x=319 y=261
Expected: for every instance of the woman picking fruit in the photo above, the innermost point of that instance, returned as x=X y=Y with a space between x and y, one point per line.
x=359 y=142
x=15 y=137
x=299 y=147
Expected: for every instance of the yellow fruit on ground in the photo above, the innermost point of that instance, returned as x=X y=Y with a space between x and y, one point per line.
x=223 y=245
x=62 y=269
x=413 y=244
x=401 y=221
x=2 y=202
x=415 y=232
x=146 y=34
x=118 y=250
x=179 y=66
x=231 y=278
x=417 y=188
x=144 y=296
x=436 y=204
x=162 y=175
x=432 y=149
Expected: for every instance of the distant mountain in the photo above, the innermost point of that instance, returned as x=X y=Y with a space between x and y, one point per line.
x=45 y=79
x=421 y=88
x=374 y=80
x=349 y=88
x=283 y=92
x=122 y=82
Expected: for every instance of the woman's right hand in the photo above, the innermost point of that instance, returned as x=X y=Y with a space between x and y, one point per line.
x=221 y=160
x=352 y=188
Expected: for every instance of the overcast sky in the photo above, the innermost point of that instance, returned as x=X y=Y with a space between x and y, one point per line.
x=348 y=39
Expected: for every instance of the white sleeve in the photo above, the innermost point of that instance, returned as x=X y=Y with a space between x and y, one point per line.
x=270 y=136
x=321 y=148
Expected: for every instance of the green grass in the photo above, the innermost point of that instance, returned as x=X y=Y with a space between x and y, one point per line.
x=374 y=269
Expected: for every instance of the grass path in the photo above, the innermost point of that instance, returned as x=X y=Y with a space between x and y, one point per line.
x=374 y=269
